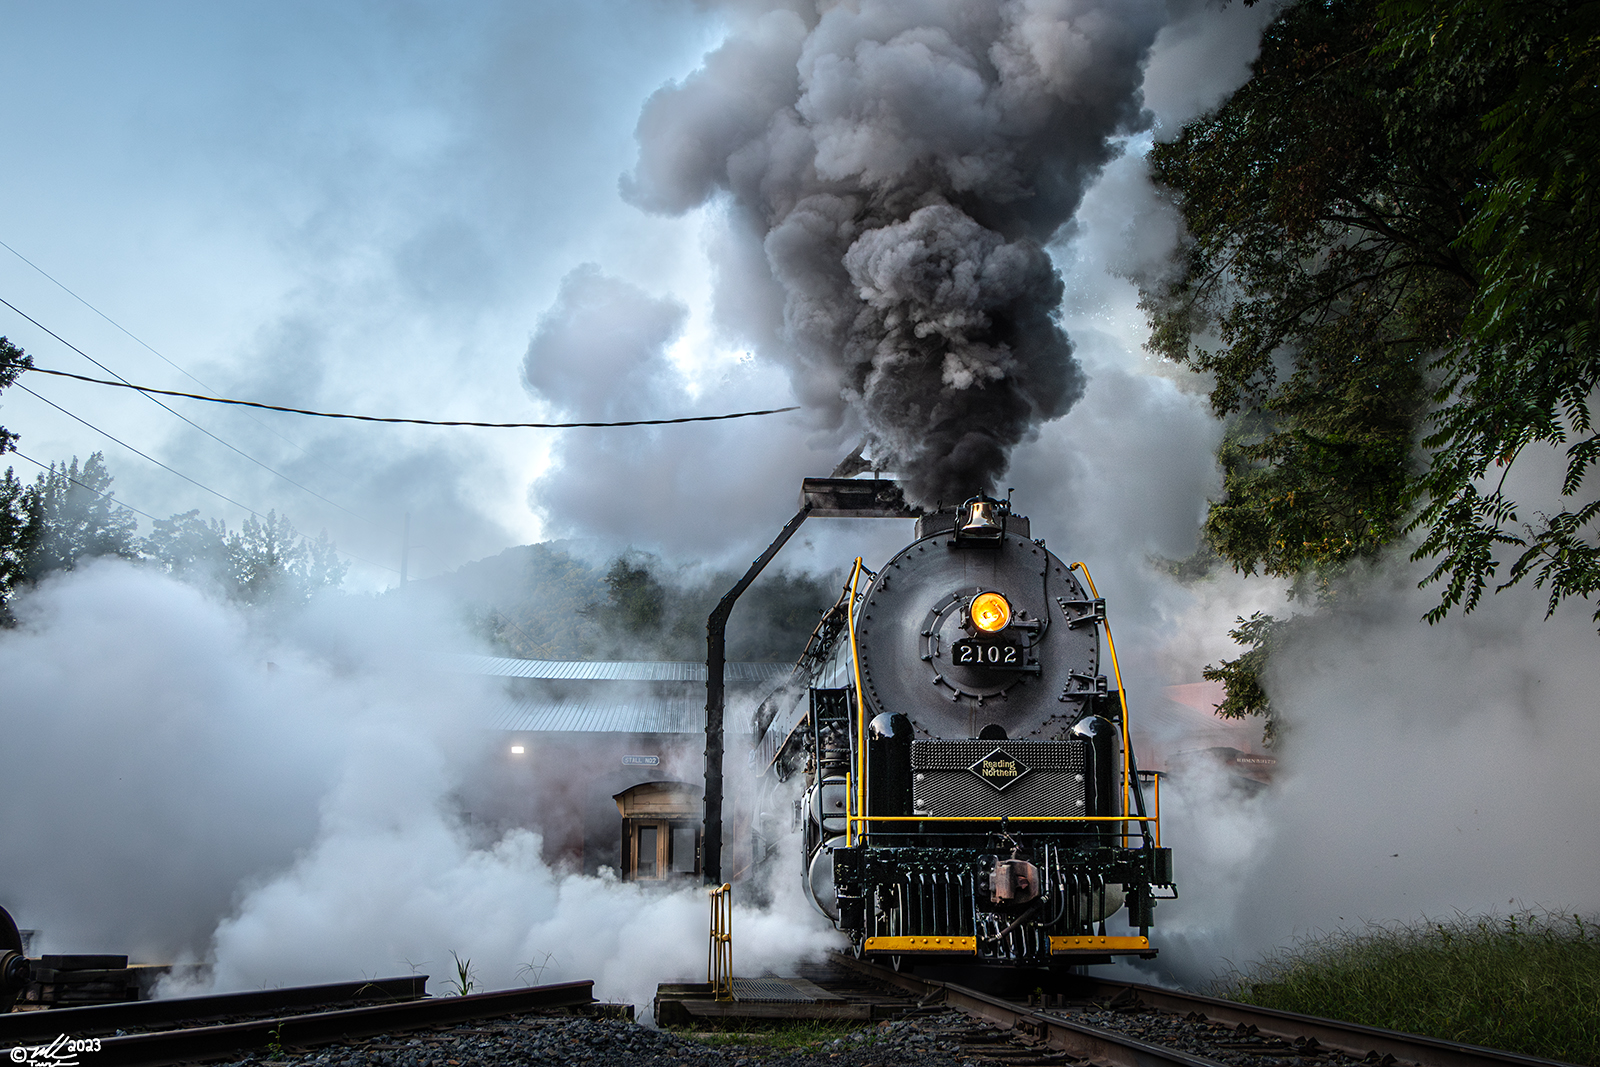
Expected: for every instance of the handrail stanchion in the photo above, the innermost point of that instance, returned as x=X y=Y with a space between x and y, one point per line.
x=719 y=957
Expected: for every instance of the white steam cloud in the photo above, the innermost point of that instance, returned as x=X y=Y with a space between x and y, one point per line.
x=1426 y=771
x=297 y=822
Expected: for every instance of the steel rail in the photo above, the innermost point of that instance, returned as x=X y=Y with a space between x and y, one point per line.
x=1103 y=1047
x=20 y=1026
x=1060 y=1031
x=1347 y=1037
x=202 y=1043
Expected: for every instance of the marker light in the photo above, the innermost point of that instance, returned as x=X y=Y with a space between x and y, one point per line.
x=517 y=750
x=990 y=612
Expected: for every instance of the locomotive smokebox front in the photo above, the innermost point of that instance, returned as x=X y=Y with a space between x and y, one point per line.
x=975 y=627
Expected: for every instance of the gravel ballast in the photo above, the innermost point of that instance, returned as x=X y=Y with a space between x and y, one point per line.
x=930 y=1041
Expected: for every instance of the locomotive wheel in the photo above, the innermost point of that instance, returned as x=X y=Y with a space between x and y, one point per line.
x=10 y=937
x=13 y=965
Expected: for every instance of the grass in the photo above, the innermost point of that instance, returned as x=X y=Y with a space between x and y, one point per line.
x=1528 y=983
x=777 y=1035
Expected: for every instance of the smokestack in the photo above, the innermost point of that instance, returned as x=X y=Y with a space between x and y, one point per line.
x=896 y=172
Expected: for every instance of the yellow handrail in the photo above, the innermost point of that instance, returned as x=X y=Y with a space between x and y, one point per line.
x=1122 y=695
x=1155 y=795
x=861 y=716
x=719 y=957
x=1004 y=818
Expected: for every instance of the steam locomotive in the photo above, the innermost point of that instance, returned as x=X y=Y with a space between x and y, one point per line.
x=968 y=787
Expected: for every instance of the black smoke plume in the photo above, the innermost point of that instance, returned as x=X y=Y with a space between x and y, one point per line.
x=895 y=170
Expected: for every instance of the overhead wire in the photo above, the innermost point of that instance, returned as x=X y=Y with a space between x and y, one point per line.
x=191 y=422
x=414 y=422
x=121 y=381
x=147 y=391
x=135 y=451
x=102 y=493
x=139 y=340
x=142 y=342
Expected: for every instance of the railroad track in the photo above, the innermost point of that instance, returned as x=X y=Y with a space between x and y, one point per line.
x=1123 y=1024
x=199 y=1029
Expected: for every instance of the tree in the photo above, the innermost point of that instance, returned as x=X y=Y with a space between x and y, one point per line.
x=74 y=518
x=263 y=561
x=1521 y=370
x=269 y=560
x=15 y=516
x=635 y=604
x=16 y=530
x=13 y=361
x=1392 y=273
x=1321 y=203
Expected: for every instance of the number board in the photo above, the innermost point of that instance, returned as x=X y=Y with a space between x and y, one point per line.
x=991 y=653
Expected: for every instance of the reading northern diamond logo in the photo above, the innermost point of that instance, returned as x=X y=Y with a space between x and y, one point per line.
x=1000 y=769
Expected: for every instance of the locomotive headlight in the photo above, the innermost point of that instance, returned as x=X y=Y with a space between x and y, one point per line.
x=990 y=612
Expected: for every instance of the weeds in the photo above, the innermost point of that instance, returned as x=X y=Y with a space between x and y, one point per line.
x=465 y=976
x=778 y=1035
x=1528 y=983
x=531 y=972
x=275 y=1049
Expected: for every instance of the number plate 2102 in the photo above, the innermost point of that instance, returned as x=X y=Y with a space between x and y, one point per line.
x=995 y=655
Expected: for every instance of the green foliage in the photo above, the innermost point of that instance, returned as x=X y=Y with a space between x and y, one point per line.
x=17 y=532
x=1316 y=280
x=264 y=561
x=68 y=514
x=1527 y=983
x=529 y=602
x=635 y=604
x=275 y=1049
x=1527 y=359
x=541 y=602
x=74 y=518
x=13 y=361
x=1247 y=695
x=1393 y=276
x=777 y=1034
x=465 y=979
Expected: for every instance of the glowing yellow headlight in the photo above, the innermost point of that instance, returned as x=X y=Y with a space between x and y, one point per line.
x=990 y=612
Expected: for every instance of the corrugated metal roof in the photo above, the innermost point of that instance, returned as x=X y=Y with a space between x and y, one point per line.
x=608 y=670
x=670 y=716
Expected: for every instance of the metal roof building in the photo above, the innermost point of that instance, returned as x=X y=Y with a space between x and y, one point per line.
x=605 y=696
x=603 y=758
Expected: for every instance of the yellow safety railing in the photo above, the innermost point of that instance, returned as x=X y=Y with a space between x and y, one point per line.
x=1155 y=806
x=1122 y=696
x=719 y=957
x=856 y=794
x=856 y=783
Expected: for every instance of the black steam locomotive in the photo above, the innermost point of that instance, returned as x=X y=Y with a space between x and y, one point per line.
x=969 y=789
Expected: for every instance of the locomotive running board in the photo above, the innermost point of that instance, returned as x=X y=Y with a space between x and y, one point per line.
x=1100 y=946
x=921 y=944
x=1059 y=946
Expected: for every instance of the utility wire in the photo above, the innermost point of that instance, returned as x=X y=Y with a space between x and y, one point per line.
x=415 y=422
x=146 y=514
x=139 y=340
x=121 y=381
x=136 y=452
x=106 y=494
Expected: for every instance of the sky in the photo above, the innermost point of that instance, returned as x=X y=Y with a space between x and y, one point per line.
x=362 y=207
x=377 y=208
